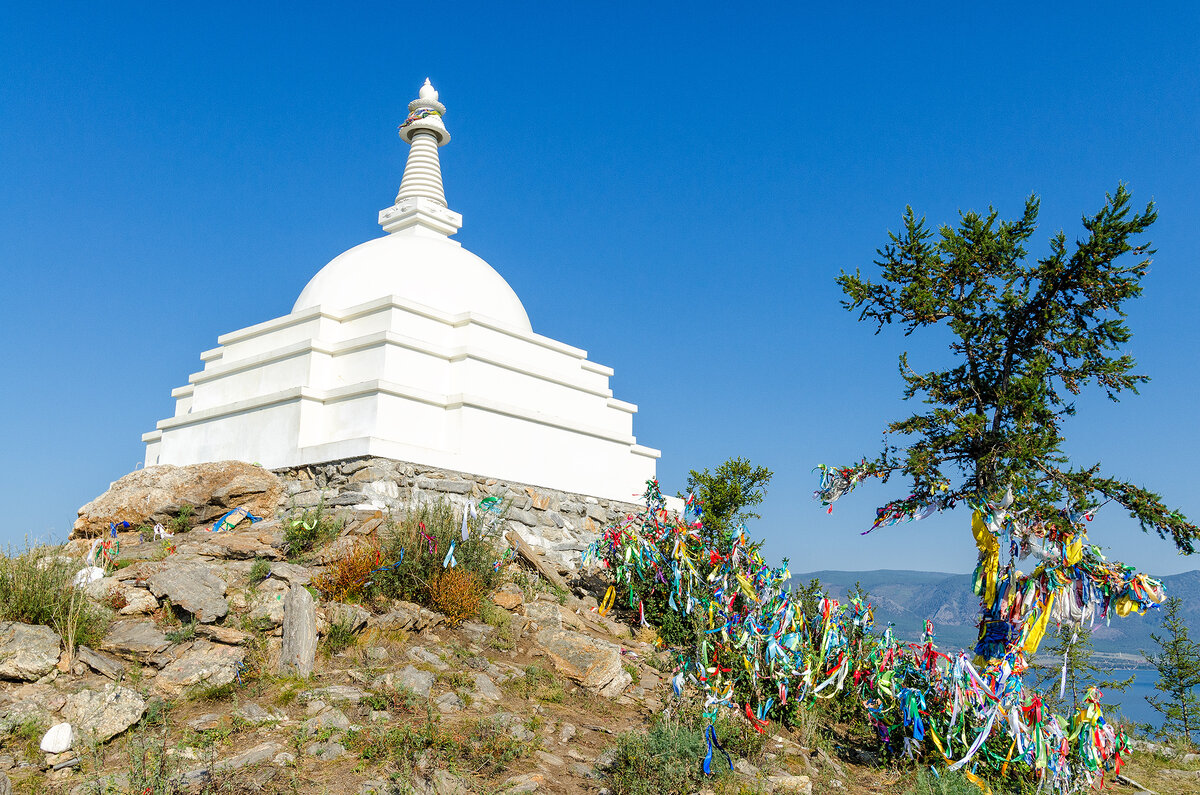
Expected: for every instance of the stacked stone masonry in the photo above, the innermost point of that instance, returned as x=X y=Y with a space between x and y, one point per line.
x=561 y=524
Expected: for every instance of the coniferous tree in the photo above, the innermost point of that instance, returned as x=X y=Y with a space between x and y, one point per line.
x=1178 y=665
x=728 y=494
x=1083 y=671
x=1025 y=336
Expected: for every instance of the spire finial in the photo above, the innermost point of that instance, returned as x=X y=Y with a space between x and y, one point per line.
x=421 y=203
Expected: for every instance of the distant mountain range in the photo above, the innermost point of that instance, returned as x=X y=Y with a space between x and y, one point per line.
x=907 y=598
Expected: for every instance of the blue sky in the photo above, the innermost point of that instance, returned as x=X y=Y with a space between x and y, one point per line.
x=672 y=187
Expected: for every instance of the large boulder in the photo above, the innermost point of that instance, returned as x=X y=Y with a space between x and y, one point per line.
x=103 y=714
x=157 y=493
x=27 y=652
x=588 y=662
x=192 y=587
x=266 y=604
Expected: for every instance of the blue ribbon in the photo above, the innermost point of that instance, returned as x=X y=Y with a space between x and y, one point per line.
x=710 y=734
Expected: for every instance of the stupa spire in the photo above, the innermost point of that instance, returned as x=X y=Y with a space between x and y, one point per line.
x=421 y=203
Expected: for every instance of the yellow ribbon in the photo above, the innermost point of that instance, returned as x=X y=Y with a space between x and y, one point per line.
x=610 y=596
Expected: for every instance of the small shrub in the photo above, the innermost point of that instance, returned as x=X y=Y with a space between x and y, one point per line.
x=28 y=735
x=339 y=636
x=666 y=759
x=489 y=748
x=347 y=577
x=116 y=600
x=457 y=594
x=395 y=698
x=415 y=547
x=182 y=521
x=311 y=527
x=212 y=692
x=259 y=571
x=944 y=782
x=151 y=770
x=537 y=684
x=185 y=632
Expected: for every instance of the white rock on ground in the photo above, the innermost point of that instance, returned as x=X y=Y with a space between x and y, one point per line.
x=59 y=738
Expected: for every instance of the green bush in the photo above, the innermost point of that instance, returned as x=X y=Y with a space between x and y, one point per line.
x=181 y=522
x=339 y=636
x=308 y=528
x=36 y=588
x=945 y=782
x=416 y=568
x=666 y=759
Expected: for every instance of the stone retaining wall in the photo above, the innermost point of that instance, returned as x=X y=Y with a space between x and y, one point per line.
x=560 y=523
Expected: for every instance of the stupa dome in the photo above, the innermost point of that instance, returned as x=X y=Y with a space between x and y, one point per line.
x=410 y=348
x=433 y=271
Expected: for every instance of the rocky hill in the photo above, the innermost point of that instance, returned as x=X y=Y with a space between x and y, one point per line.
x=205 y=656
x=217 y=664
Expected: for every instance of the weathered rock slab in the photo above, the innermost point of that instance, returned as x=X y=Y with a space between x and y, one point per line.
x=101 y=663
x=299 y=632
x=194 y=588
x=418 y=681
x=157 y=493
x=134 y=639
x=485 y=688
x=103 y=714
x=205 y=664
x=587 y=661
x=334 y=694
x=406 y=615
x=138 y=602
x=27 y=651
x=267 y=605
x=351 y=616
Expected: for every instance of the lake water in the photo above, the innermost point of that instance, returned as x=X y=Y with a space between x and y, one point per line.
x=1132 y=703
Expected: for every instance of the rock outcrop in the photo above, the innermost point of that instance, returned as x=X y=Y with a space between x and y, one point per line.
x=588 y=662
x=27 y=652
x=203 y=665
x=299 y=632
x=158 y=493
x=193 y=588
x=103 y=714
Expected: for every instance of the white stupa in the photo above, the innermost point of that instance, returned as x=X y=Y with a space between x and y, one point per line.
x=412 y=348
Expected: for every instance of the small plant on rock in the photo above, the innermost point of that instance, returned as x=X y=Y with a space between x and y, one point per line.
x=259 y=571
x=182 y=521
x=338 y=637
